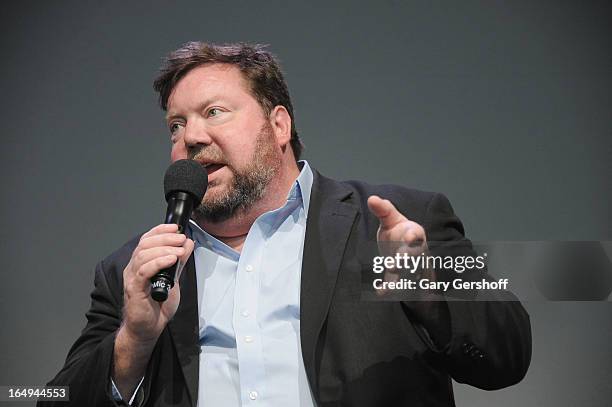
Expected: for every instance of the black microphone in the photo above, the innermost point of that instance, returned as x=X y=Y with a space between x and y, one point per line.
x=185 y=184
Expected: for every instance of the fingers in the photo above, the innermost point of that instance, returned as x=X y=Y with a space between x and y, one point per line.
x=162 y=228
x=148 y=262
x=162 y=239
x=159 y=248
x=414 y=235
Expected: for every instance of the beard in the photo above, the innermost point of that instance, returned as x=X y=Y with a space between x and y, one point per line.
x=248 y=184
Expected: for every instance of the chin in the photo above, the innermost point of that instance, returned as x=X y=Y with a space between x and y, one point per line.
x=214 y=192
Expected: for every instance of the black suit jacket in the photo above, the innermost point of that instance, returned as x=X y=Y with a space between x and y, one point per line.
x=356 y=353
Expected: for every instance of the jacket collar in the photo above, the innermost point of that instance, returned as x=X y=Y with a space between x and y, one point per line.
x=184 y=329
x=332 y=216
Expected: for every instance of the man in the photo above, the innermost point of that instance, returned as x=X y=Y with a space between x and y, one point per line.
x=268 y=310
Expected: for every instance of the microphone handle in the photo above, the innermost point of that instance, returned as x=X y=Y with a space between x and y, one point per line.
x=180 y=206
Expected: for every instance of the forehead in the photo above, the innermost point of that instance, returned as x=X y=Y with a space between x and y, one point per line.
x=209 y=81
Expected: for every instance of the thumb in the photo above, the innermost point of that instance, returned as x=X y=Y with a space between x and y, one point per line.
x=384 y=210
x=188 y=245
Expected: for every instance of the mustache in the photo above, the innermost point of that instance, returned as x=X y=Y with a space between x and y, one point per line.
x=209 y=154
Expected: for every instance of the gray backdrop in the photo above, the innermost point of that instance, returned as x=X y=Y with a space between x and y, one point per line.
x=504 y=106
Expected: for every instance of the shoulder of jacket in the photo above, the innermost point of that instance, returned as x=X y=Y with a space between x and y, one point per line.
x=121 y=256
x=395 y=193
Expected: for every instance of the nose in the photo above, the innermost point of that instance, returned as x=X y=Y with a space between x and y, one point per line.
x=193 y=138
x=196 y=135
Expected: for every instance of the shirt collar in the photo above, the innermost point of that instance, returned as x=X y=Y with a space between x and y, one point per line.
x=304 y=183
x=300 y=190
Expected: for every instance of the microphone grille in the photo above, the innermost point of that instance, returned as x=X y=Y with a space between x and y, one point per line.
x=186 y=176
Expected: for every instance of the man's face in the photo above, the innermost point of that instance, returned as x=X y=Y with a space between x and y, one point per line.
x=214 y=120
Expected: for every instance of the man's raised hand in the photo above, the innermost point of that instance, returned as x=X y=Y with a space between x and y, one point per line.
x=396 y=233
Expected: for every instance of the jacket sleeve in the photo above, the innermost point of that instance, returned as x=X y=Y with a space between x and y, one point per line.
x=87 y=369
x=486 y=342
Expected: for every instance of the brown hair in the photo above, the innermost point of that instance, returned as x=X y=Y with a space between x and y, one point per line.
x=259 y=67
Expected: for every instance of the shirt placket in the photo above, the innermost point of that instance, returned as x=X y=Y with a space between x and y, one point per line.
x=248 y=335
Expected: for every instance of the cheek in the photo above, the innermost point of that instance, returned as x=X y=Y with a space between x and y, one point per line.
x=243 y=148
x=178 y=152
x=241 y=158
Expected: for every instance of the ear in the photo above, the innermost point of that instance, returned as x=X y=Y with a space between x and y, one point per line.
x=281 y=125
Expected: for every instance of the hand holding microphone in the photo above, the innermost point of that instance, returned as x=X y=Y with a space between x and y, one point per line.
x=149 y=300
x=185 y=184
x=161 y=254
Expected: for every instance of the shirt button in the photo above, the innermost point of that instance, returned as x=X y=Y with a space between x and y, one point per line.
x=253 y=395
x=249 y=267
x=245 y=313
x=248 y=339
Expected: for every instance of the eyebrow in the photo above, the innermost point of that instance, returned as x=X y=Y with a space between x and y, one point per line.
x=170 y=116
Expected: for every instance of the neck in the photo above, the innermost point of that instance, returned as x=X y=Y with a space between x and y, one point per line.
x=233 y=231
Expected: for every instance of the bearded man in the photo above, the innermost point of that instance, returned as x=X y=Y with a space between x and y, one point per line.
x=268 y=310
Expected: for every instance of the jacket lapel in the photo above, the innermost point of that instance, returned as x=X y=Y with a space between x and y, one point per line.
x=184 y=329
x=331 y=216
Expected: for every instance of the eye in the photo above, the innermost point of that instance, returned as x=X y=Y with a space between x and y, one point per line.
x=174 y=127
x=214 y=111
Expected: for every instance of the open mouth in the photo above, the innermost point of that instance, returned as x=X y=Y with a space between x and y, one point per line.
x=211 y=168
